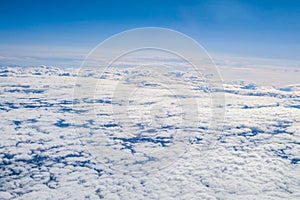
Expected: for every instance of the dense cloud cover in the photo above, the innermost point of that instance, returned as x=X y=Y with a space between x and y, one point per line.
x=44 y=154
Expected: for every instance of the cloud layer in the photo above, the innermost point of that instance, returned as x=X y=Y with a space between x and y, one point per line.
x=42 y=155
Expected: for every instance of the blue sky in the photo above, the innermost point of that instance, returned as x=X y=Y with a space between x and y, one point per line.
x=33 y=32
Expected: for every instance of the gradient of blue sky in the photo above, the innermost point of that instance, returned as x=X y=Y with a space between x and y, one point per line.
x=256 y=28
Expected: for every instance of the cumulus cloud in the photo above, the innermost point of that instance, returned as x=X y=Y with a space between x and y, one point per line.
x=42 y=156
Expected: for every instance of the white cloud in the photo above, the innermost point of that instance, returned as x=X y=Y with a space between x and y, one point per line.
x=254 y=158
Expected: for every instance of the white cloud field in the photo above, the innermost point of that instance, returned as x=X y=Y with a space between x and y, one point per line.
x=57 y=145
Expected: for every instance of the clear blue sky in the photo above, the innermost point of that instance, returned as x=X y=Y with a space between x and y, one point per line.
x=257 y=28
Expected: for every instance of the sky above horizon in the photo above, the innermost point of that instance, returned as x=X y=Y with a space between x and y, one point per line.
x=63 y=32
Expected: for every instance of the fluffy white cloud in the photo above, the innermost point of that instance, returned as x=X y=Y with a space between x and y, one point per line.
x=257 y=155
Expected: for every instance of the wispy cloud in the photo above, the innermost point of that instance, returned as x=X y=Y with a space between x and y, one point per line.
x=41 y=55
